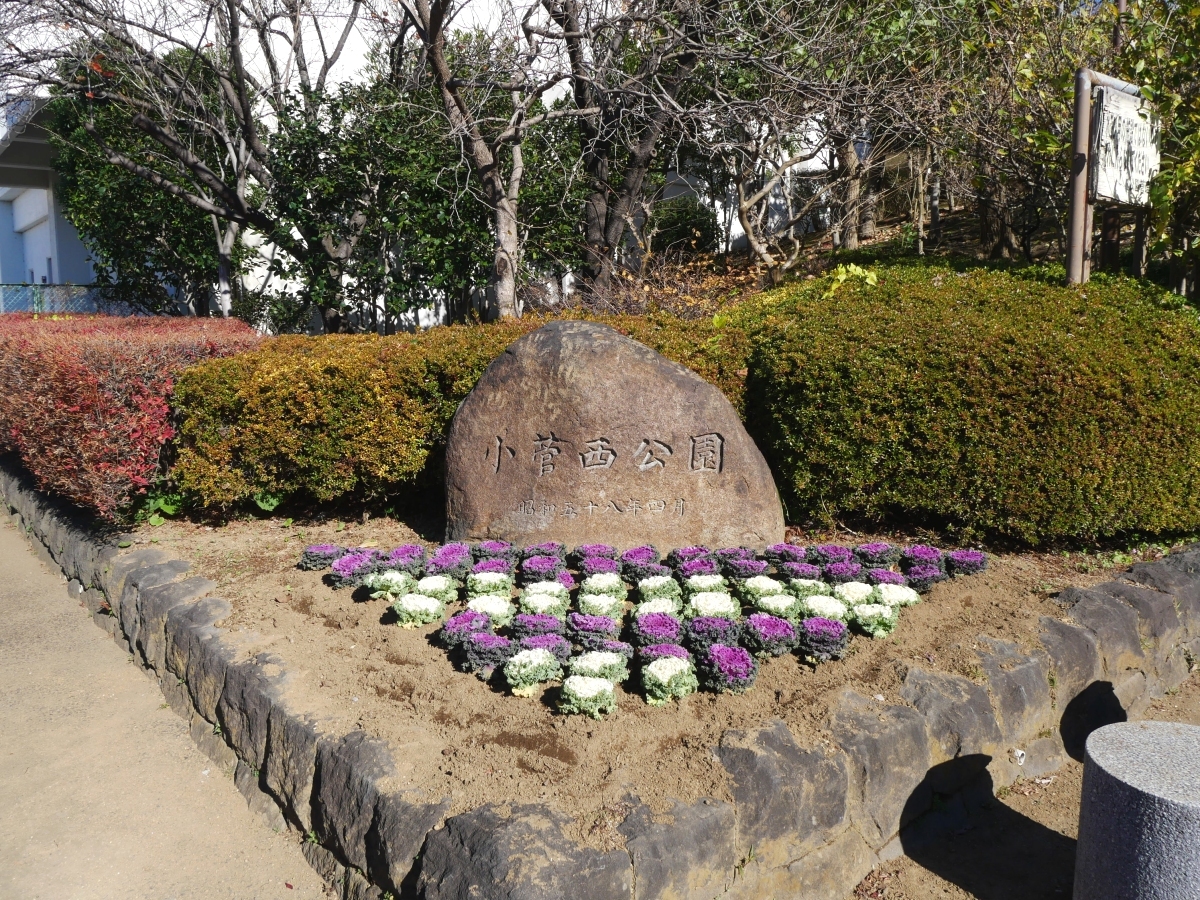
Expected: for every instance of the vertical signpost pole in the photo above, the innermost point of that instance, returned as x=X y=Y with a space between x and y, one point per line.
x=1079 y=223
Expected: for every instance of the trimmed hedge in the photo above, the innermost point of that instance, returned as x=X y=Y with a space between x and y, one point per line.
x=991 y=403
x=85 y=398
x=363 y=417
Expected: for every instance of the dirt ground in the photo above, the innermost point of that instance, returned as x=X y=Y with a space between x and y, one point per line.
x=1023 y=847
x=470 y=740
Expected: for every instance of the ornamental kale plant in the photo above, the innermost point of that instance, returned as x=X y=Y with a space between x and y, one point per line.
x=600 y=664
x=785 y=606
x=489 y=583
x=922 y=578
x=760 y=586
x=827 y=554
x=897 y=595
x=541 y=568
x=413 y=610
x=778 y=554
x=727 y=553
x=804 y=571
x=590 y=631
x=639 y=556
x=319 y=556
x=603 y=583
x=441 y=586
x=651 y=652
x=591 y=551
x=702 y=584
x=566 y=579
x=547 y=548
x=840 y=572
x=499 y=609
x=876 y=619
x=739 y=569
x=598 y=565
x=461 y=626
x=656 y=628
x=668 y=678
x=965 y=562
x=602 y=605
x=884 y=576
x=853 y=593
x=669 y=605
x=586 y=696
x=484 y=651
x=494 y=550
x=823 y=639
x=451 y=560
x=700 y=566
x=555 y=643
x=726 y=668
x=877 y=555
x=705 y=631
x=526 y=669
x=807 y=587
x=922 y=555
x=712 y=603
x=677 y=557
x=767 y=635
x=408 y=558
x=618 y=647
x=389 y=584
x=533 y=624
x=659 y=586
x=493 y=566
x=650 y=570
x=350 y=570
x=825 y=607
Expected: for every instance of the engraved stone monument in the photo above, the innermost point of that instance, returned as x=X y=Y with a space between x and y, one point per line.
x=578 y=434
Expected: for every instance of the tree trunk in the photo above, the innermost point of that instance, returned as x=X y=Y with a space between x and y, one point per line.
x=868 y=215
x=226 y=242
x=935 y=205
x=848 y=157
x=504 y=265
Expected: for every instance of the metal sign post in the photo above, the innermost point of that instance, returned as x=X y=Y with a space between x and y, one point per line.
x=1113 y=159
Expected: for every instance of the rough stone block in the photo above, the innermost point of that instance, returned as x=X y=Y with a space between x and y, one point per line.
x=1177 y=575
x=1131 y=692
x=398 y=830
x=889 y=753
x=211 y=744
x=195 y=652
x=1073 y=656
x=247 y=695
x=176 y=696
x=324 y=862
x=153 y=604
x=113 y=582
x=1020 y=686
x=1115 y=624
x=961 y=721
x=691 y=857
x=523 y=855
x=831 y=871
x=789 y=800
x=138 y=581
x=291 y=761
x=246 y=780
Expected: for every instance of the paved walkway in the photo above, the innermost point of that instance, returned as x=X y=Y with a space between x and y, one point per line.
x=102 y=793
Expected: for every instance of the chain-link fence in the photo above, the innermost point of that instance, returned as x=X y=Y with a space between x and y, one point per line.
x=55 y=298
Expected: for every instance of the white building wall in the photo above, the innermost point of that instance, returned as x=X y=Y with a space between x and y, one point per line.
x=37 y=245
x=12 y=248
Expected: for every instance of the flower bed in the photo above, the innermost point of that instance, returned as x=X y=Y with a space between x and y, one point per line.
x=742 y=610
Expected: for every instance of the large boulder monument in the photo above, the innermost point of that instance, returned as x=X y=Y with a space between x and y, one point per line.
x=578 y=434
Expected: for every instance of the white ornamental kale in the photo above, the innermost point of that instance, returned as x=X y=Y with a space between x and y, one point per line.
x=825 y=607
x=603 y=583
x=807 y=587
x=712 y=603
x=876 y=619
x=761 y=586
x=699 y=584
x=554 y=588
x=669 y=605
x=587 y=696
x=897 y=595
x=496 y=607
x=602 y=605
x=668 y=678
x=599 y=664
x=417 y=609
x=526 y=669
x=785 y=606
x=488 y=583
x=439 y=586
x=658 y=586
x=390 y=584
x=544 y=604
x=854 y=593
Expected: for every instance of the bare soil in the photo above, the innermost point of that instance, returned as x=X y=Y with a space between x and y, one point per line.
x=472 y=741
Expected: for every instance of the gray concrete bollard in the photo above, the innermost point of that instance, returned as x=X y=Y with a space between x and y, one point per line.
x=1139 y=817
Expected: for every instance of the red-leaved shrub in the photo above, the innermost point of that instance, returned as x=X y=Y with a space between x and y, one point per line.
x=84 y=400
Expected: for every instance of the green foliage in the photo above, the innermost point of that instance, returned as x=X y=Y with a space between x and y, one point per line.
x=684 y=224
x=984 y=402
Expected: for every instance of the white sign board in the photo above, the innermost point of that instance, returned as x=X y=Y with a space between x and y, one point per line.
x=1125 y=157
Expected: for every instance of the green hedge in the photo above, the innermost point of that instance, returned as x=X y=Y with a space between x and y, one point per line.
x=990 y=403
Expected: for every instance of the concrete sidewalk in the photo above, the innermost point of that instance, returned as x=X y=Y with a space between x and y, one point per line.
x=102 y=792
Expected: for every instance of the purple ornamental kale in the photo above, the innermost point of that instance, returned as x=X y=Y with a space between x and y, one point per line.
x=966 y=562
x=704 y=631
x=831 y=553
x=841 y=572
x=800 y=570
x=726 y=668
x=461 y=626
x=555 y=643
x=483 y=651
x=635 y=562
x=656 y=628
x=319 y=556
x=680 y=555
x=624 y=649
x=733 y=553
x=451 y=560
x=586 y=551
x=541 y=568
x=739 y=569
x=408 y=558
x=823 y=639
x=531 y=624
x=350 y=570
x=877 y=555
x=779 y=554
x=699 y=566
x=922 y=578
x=547 y=548
x=494 y=550
x=598 y=565
x=922 y=555
x=767 y=635
x=590 y=632
x=885 y=576
x=652 y=652
x=496 y=565
x=566 y=579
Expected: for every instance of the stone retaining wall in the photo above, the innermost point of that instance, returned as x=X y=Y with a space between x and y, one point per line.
x=806 y=822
